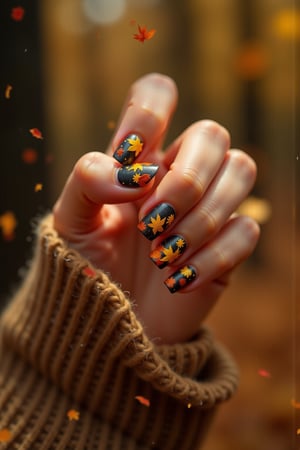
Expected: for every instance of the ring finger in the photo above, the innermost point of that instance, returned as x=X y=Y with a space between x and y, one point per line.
x=196 y=157
x=230 y=186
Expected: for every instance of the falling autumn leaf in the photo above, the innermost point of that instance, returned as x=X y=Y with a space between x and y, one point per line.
x=8 y=224
x=38 y=187
x=35 y=132
x=8 y=90
x=5 y=435
x=295 y=404
x=73 y=414
x=111 y=124
x=143 y=34
x=17 y=13
x=144 y=401
x=264 y=373
x=29 y=155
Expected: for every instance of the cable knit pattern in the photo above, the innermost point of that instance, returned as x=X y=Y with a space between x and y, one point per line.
x=73 y=339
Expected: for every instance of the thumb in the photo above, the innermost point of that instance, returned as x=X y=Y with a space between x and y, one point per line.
x=98 y=179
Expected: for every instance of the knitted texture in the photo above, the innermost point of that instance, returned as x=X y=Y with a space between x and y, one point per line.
x=70 y=340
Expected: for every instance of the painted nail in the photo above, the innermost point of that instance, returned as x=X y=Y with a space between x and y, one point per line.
x=180 y=279
x=157 y=221
x=136 y=175
x=168 y=251
x=129 y=149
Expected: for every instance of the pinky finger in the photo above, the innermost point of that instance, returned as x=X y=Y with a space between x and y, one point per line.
x=232 y=245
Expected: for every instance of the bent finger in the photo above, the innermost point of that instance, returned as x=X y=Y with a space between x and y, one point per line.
x=98 y=179
x=235 y=242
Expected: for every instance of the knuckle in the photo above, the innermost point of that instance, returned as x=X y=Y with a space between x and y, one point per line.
x=251 y=229
x=191 y=182
x=244 y=165
x=222 y=260
x=208 y=222
x=82 y=167
x=212 y=129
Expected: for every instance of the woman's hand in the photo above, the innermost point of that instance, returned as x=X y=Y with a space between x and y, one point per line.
x=117 y=211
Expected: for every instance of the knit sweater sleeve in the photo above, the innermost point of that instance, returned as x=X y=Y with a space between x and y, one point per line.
x=70 y=340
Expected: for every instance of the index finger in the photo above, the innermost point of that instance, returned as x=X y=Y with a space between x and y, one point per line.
x=145 y=118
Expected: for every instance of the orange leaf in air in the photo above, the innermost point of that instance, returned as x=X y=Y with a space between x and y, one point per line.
x=29 y=155
x=8 y=223
x=264 y=373
x=295 y=404
x=17 y=13
x=8 y=90
x=73 y=414
x=35 y=132
x=38 y=187
x=144 y=401
x=5 y=435
x=144 y=34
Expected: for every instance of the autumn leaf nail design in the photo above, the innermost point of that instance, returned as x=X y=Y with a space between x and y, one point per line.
x=129 y=149
x=180 y=279
x=168 y=251
x=157 y=221
x=137 y=175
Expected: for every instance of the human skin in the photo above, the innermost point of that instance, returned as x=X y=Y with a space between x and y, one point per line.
x=200 y=176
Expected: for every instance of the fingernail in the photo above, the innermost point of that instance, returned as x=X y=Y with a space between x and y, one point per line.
x=157 y=221
x=136 y=175
x=168 y=251
x=180 y=279
x=129 y=149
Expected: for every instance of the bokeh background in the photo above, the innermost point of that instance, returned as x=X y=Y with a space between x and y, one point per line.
x=66 y=66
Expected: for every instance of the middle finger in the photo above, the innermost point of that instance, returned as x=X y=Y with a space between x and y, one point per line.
x=198 y=155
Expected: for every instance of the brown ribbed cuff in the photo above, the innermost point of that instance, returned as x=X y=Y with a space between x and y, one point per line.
x=77 y=335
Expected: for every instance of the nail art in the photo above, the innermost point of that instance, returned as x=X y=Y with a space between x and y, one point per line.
x=157 y=221
x=136 y=175
x=180 y=279
x=168 y=251
x=129 y=149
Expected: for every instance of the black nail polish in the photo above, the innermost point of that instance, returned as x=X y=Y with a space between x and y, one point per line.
x=129 y=149
x=168 y=251
x=136 y=175
x=157 y=221
x=180 y=279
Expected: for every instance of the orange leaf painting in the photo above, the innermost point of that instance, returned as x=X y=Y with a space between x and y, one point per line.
x=35 y=132
x=170 y=282
x=144 y=401
x=89 y=272
x=73 y=414
x=142 y=226
x=5 y=435
x=17 y=13
x=144 y=34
